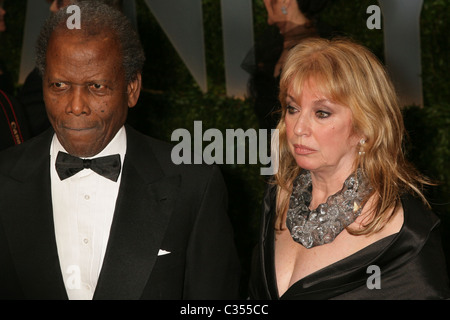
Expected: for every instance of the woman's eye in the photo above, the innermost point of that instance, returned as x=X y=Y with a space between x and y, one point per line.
x=322 y=114
x=291 y=109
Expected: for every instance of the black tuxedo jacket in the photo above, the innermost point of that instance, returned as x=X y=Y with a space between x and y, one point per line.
x=180 y=209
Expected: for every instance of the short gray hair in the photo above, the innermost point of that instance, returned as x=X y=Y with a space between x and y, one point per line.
x=96 y=18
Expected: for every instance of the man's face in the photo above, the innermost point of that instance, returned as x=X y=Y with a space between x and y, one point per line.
x=85 y=91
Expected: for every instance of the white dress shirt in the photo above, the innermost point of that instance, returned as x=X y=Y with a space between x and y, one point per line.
x=83 y=209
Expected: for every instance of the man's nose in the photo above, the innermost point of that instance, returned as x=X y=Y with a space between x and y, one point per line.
x=78 y=103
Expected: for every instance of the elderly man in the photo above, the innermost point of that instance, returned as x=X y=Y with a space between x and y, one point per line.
x=92 y=209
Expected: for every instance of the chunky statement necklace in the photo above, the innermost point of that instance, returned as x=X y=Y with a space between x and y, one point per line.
x=322 y=225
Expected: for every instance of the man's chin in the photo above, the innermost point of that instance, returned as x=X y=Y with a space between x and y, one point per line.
x=82 y=153
x=81 y=148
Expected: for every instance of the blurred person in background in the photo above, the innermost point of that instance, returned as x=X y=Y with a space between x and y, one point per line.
x=290 y=22
x=13 y=123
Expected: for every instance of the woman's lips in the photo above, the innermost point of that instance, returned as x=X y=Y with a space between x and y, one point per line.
x=300 y=149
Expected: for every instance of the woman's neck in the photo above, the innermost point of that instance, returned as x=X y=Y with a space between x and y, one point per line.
x=324 y=186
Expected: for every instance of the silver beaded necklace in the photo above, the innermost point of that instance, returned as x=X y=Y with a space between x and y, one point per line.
x=322 y=225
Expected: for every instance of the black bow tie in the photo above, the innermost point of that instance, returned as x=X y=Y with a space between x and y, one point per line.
x=68 y=165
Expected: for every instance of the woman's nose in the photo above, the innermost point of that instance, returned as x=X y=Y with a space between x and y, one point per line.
x=302 y=125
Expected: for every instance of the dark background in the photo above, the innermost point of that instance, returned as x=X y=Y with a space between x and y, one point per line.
x=171 y=99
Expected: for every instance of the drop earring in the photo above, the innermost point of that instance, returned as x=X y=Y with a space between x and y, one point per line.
x=284 y=10
x=361 y=149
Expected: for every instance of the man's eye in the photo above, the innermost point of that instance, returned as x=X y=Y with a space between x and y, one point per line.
x=59 y=85
x=98 y=88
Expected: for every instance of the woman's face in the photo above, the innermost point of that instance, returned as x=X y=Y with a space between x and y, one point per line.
x=319 y=132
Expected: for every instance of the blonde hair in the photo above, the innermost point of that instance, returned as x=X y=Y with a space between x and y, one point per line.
x=350 y=75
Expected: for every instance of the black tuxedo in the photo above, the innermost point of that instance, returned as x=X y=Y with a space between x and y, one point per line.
x=181 y=209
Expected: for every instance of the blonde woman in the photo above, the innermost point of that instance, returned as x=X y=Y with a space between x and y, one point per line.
x=345 y=217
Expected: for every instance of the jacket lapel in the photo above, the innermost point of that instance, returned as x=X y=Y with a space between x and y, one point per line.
x=143 y=209
x=32 y=226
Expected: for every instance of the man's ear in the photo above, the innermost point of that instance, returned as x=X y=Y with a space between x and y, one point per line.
x=134 y=90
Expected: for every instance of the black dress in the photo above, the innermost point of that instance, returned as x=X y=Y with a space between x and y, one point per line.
x=411 y=263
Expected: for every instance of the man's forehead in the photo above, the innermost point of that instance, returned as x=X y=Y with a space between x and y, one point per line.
x=85 y=34
x=75 y=48
x=79 y=41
